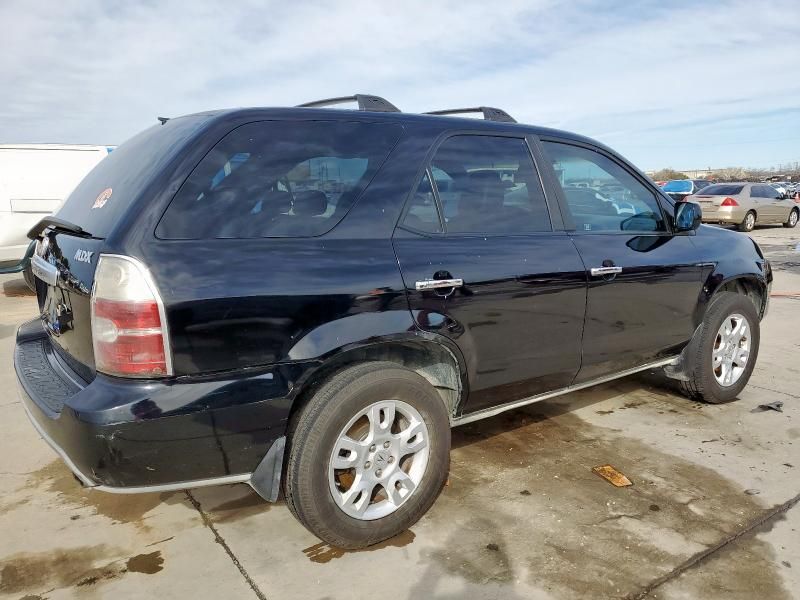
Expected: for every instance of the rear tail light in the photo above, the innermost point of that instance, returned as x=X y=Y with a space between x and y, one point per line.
x=129 y=329
x=729 y=202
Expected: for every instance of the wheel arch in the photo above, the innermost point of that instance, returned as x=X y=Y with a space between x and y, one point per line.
x=750 y=285
x=441 y=364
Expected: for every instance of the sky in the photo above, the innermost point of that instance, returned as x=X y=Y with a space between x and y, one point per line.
x=666 y=83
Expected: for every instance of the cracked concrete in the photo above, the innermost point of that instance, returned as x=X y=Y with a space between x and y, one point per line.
x=710 y=513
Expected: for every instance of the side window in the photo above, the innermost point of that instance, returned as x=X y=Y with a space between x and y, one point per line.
x=757 y=191
x=489 y=184
x=422 y=213
x=278 y=179
x=601 y=194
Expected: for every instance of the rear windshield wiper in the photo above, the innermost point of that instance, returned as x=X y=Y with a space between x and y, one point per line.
x=58 y=225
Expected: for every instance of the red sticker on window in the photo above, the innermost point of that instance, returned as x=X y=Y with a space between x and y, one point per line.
x=102 y=198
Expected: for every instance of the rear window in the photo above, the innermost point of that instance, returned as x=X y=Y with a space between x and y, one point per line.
x=678 y=185
x=722 y=190
x=101 y=198
x=278 y=179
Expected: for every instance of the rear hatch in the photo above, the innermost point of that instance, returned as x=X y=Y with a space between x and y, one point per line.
x=64 y=266
x=70 y=245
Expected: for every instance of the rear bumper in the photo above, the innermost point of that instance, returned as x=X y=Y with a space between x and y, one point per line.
x=140 y=436
x=717 y=215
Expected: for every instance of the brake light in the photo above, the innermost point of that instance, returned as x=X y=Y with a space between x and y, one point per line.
x=729 y=202
x=129 y=332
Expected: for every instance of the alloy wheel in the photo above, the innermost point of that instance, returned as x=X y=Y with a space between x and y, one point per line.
x=378 y=460
x=731 y=350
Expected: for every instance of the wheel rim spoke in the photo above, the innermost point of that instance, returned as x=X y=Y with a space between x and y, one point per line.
x=381 y=416
x=399 y=487
x=358 y=496
x=354 y=453
x=413 y=438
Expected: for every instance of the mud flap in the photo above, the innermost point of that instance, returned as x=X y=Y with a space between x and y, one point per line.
x=266 y=479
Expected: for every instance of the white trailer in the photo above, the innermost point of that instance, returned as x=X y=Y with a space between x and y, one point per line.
x=34 y=180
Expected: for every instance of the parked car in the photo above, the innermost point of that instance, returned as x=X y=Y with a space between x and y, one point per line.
x=34 y=180
x=746 y=205
x=679 y=189
x=307 y=299
x=780 y=186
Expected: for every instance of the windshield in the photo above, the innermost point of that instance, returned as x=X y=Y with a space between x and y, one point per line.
x=678 y=185
x=722 y=190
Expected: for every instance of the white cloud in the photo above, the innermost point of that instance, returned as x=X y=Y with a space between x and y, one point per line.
x=646 y=78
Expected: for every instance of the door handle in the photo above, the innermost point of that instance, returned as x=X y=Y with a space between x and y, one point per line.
x=603 y=271
x=435 y=284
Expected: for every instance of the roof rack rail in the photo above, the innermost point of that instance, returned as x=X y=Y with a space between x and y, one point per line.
x=365 y=102
x=489 y=113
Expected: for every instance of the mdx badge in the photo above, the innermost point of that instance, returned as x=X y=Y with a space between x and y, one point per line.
x=83 y=256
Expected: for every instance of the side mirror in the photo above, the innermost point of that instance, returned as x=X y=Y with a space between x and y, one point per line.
x=688 y=216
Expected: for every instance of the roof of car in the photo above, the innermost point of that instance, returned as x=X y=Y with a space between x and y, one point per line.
x=444 y=121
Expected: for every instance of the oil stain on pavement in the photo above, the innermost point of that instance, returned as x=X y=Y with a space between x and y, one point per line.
x=60 y=567
x=56 y=478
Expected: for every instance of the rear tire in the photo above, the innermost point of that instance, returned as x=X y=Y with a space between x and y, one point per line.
x=791 y=222
x=748 y=223
x=357 y=420
x=710 y=351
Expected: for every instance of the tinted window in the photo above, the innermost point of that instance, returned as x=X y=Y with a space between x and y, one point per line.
x=678 y=186
x=723 y=189
x=764 y=191
x=489 y=185
x=278 y=179
x=126 y=171
x=700 y=184
x=612 y=200
x=422 y=213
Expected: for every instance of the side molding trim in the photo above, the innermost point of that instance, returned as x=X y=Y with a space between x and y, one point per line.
x=496 y=410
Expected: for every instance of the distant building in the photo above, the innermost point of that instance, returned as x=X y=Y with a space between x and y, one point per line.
x=698 y=173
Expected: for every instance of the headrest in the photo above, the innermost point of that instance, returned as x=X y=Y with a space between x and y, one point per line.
x=485 y=182
x=278 y=202
x=310 y=203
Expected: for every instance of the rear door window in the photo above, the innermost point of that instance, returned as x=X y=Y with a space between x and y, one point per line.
x=278 y=179
x=488 y=184
x=422 y=213
x=601 y=194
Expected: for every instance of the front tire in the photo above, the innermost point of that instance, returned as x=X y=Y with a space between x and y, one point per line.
x=748 y=223
x=368 y=455
x=791 y=222
x=722 y=354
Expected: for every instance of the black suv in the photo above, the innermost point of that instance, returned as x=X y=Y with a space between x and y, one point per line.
x=307 y=299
